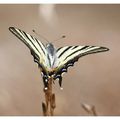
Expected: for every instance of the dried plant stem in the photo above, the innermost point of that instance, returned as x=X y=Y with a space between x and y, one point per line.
x=49 y=105
x=89 y=109
x=94 y=111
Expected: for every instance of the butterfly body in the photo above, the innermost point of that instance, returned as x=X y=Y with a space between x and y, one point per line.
x=51 y=61
x=51 y=56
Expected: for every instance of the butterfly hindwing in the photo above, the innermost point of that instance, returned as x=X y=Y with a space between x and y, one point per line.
x=68 y=55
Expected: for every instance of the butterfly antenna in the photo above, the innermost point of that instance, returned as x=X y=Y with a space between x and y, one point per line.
x=62 y=37
x=40 y=36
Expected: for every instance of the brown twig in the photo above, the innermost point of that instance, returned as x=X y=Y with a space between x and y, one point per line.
x=89 y=109
x=49 y=105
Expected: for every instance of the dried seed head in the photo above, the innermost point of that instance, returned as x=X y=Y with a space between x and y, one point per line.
x=86 y=107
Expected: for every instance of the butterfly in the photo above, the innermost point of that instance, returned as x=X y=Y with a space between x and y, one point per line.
x=54 y=62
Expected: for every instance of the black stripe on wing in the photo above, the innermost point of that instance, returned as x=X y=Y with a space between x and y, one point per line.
x=97 y=50
x=76 y=55
x=64 y=51
x=36 y=47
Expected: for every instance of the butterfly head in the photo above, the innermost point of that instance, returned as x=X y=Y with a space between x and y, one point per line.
x=49 y=45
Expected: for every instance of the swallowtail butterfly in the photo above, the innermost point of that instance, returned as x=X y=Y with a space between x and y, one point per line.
x=53 y=62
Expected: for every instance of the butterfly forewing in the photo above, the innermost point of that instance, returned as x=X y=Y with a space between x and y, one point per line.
x=68 y=53
x=36 y=47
